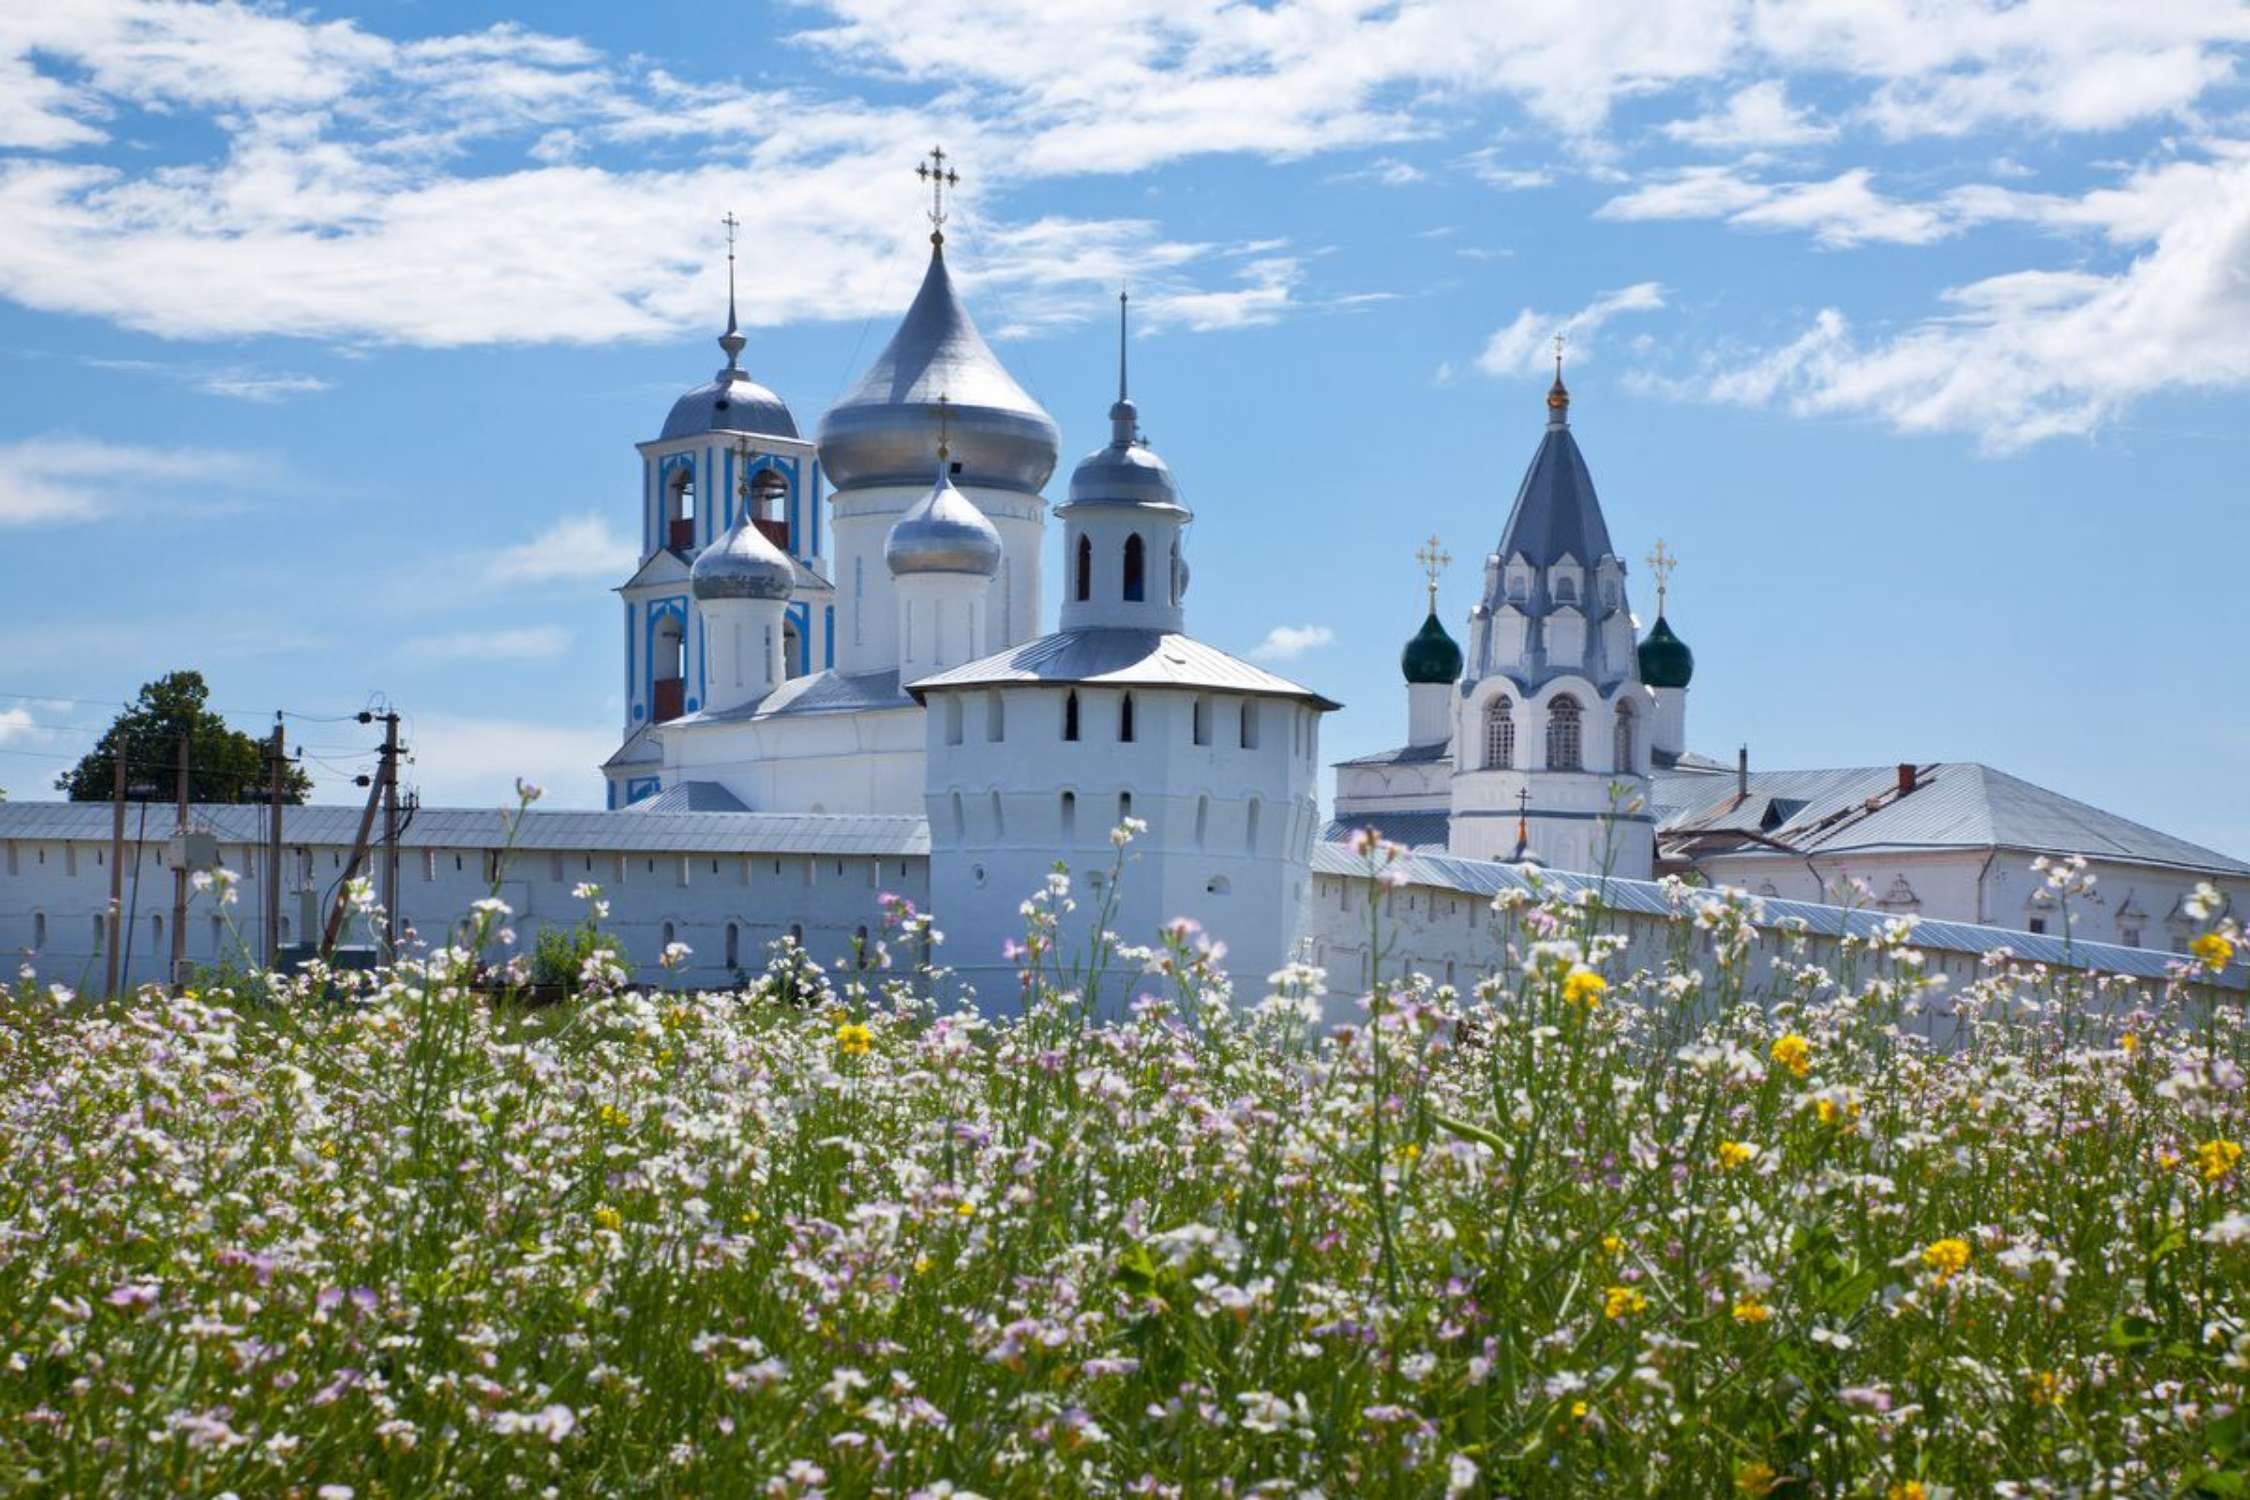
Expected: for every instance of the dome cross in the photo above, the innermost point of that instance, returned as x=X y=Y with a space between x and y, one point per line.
x=1434 y=560
x=731 y=341
x=1661 y=562
x=941 y=179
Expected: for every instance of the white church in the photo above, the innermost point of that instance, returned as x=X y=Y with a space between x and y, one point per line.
x=838 y=686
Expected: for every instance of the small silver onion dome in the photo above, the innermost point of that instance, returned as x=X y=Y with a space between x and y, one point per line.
x=943 y=533
x=730 y=402
x=883 y=429
x=1128 y=471
x=742 y=564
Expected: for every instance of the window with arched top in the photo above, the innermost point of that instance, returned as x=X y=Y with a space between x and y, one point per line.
x=792 y=649
x=1565 y=747
x=769 y=496
x=1084 y=589
x=1499 y=735
x=1136 y=569
x=1179 y=571
x=1070 y=716
x=1624 y=741
x=1125 y=719
x=1069 y=816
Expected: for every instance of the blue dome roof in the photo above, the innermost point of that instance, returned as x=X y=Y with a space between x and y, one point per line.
x=730 y=402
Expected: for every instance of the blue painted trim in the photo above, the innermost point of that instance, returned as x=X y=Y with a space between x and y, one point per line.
x=815 y=487
x=646 y=786
x=800 y=613
x=828 y=651
x=657 y=610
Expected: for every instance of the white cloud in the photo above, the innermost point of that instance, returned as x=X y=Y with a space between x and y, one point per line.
x=528 y=643
x=2028 y=355
x=1288 y=642
x=60 y=478
x=1263 y=300
x=1842 y=211
x=574 y=548
x=1526 y=343
x=17 y=726
x=468 y=761
x=1759 y=115
x=255 y=385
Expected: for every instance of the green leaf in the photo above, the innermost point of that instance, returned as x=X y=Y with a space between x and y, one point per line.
x=1468 y=1132
x=2129 y=1332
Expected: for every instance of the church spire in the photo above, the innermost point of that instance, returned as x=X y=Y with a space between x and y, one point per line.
x=731 y=341
x=1558 y=394
x=1124 y=417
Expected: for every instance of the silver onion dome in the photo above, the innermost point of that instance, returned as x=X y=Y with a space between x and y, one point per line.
x=943 y=533
x=730 y=402
x=1128 y=471
x=742 y=564
x=883 y=429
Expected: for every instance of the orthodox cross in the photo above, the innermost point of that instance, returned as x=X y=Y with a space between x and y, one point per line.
x=731 y=340
x=1433 y=559
x=1558 y=354
x=1661 y=563
x=1523 y=826
x=940 y=177
x=944 y=427
x=742 y=477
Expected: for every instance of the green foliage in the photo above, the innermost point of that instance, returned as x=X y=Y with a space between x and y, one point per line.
x=559 y=954
x=224 y=765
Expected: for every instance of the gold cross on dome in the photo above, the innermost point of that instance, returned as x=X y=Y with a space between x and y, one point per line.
x=1433 y=559
x=944 y=428
x=941 y=178
x=1558 y=354
x=1661 y=563
x=732 y=223
x=742 y=472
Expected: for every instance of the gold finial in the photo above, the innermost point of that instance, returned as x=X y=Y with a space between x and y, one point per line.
x=742 y=472
x=1434 y=560
x=941 y=179
x=944 y=428
x=1558 y=353
x=1661 y=563
x=1558 y=395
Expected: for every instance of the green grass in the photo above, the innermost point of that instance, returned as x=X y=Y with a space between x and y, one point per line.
x=410 y=1241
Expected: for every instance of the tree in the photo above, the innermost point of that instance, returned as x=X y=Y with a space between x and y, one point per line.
x=224 y=765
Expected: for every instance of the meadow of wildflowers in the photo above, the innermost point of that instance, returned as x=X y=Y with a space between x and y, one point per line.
x=1576 y=1231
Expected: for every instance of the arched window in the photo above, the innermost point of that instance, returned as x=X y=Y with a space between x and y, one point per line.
x=1070 y=716
x=960 y=818
x=1564 y=750
x=792 y=649
x=1499 y=735
x=39 y=929
x=1200 y=722
x=734 y=946
x=1069 y=815
x=1125 y=720
x=1124 y=806
x=1136 y=569
x=769 y=498
x=1085 y=587
x=1624 y=745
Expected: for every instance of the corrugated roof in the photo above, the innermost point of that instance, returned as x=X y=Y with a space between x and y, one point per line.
x=1404 y=755
x=634 y=830
x=1487 y=878
x=1416 y=830
x=692 y=796
x=1114 y=657
x=1959 y=804
x=823 y=692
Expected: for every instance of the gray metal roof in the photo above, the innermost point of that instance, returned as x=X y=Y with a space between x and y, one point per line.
x=640 y=749
x=886 y=427
x=1112 y=657
x=824 y=692
x=691 y=796
x=633 y=830
x=730 y=402
x=1487 y=878
x=1955 y=804
x=1416 y=830
x=1404 y=755
x=1556 y=512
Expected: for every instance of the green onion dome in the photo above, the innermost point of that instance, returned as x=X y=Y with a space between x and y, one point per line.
x=1666 y=661
x=1431 y=656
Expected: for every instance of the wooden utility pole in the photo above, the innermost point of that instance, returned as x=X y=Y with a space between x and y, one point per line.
x=278 y=758
x=390 y=837
x=113 y=936
x=180 y=878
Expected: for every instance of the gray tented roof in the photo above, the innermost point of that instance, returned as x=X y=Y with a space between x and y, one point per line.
x=691 y=796
x=827 y=691
x=1416 y=830
x=1955 y=804
x=632 y=830
x=1556 y=512
x=1113 y=657
x=1487 y=878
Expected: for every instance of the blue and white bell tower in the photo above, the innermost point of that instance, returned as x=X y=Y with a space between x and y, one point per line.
x=727 y=444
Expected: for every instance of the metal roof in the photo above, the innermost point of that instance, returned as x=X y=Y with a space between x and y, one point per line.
x=1404 y=755
x=1114 y=657
x=730 y=402
x=691 y=796
x=1487 y=878
x=824 y=692
x=640 y=749
x=633 y=830
x=1416 y=830
x=1556 y=513
x=1955 y=804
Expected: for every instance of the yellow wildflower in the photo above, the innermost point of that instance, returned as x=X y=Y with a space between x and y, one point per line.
x=328 y=1149
x=1832 y=1113
x=1948 y=1257
x=1794 y=1053
x=1907 y=1489
x=2215 y=950
x=2167 y=1160
x=1751 y=1310
x=1733 y=1154
x=2216 y=1158
x=965 y=1209
x=1612 y=1246
x=1755 y=1478
x=1584 y=987
x=607 y=1217
x=2130 y=1043
x=1621 y=1301
x=2047 y=1388
x=853 y=1039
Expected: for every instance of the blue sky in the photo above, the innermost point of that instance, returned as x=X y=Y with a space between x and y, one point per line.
x=1920 y=333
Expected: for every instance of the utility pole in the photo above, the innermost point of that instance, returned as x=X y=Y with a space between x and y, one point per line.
x=180 y=878
x=375 y=785
x=390 y=837
x=112 y=936
x=277 y=758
